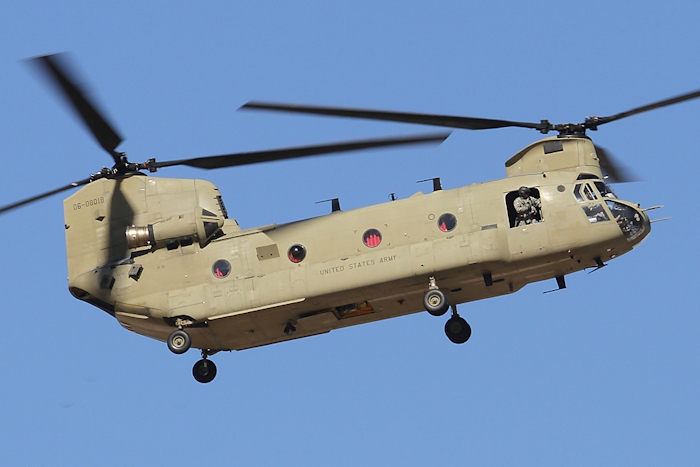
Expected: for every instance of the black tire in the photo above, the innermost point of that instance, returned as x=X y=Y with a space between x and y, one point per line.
x=458 y=330
x=204 y=371
x=179 y=342
x=435 y=302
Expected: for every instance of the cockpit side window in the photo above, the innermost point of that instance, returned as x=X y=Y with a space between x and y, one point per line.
x=596 y=213
x=584 y=192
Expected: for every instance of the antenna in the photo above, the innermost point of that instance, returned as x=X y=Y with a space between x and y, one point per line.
x=437 y=185
x=335 y=203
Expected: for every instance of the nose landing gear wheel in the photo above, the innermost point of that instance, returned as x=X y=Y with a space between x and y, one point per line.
x=179 y=342
x=435 y=302
x=204 y=371
x=458 y=330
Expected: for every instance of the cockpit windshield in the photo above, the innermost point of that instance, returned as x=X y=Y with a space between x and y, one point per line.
x=628 y=219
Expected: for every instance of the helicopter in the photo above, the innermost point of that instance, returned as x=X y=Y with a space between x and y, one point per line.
x=164 y=258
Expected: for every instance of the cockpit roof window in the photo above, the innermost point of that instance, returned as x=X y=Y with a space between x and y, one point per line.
x=587 y=176
x=605 y=190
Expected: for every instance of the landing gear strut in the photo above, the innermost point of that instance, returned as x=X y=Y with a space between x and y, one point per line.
x=204 y=370
x=457 y=328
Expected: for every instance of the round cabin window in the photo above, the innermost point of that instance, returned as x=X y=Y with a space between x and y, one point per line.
x=221 y=268
x=297 y=253
x=372 y=238
x=447 y=222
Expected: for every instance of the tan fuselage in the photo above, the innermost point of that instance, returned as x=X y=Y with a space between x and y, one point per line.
x=341 y=281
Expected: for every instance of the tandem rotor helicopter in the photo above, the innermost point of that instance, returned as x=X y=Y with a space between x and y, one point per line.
x=163 y=257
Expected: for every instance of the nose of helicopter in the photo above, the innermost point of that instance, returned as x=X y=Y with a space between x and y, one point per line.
x=632 y=220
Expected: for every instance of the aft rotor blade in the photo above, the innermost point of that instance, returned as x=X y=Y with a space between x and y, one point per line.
x=245 y=158
x=468 y=123
x=57 y=69
x=614 y=170
x=42 y=196
x=646 y=108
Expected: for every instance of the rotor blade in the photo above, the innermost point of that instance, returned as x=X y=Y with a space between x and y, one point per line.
x=244 y=158
x=645 y=108
x=614 y=170
x=56 y=68
x=44 y=195
x=468 y=123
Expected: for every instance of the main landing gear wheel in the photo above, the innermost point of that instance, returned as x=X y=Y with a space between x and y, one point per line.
x=435 y=302
x=204 y=371
x=179 y=342
x=457 y=329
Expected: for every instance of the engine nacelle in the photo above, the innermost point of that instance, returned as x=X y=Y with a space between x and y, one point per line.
x=200 y=225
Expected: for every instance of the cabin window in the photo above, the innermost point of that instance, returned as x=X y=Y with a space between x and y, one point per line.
x=517 y=214
x=372 y=238
x=596 y=213
x=447 y=222
x=297 y=253
x=221 y=268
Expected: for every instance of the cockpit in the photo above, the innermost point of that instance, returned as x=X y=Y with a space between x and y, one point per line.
x=596 y=195
x=630 y=221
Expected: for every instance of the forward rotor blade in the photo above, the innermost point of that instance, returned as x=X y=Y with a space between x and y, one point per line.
x=614 y=170
x=468 y=123
x=56 y=68
x=44 y=195
x=645 y=108
x=245 y=158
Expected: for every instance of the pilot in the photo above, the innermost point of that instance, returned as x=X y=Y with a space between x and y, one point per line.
x=526 y=207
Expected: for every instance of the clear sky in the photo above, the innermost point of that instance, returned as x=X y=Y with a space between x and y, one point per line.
x=605 y=372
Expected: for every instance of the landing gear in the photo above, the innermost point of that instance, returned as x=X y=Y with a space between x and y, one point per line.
x=435 y=302
x=457 y=328
x=179 y=342
x=204 y=370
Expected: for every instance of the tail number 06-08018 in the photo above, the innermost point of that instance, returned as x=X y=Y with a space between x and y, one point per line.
x=88 y=203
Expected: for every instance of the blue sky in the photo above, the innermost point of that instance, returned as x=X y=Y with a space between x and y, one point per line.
x=605 y=372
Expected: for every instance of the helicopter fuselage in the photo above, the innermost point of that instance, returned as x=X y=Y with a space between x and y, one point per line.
x=236 y=289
